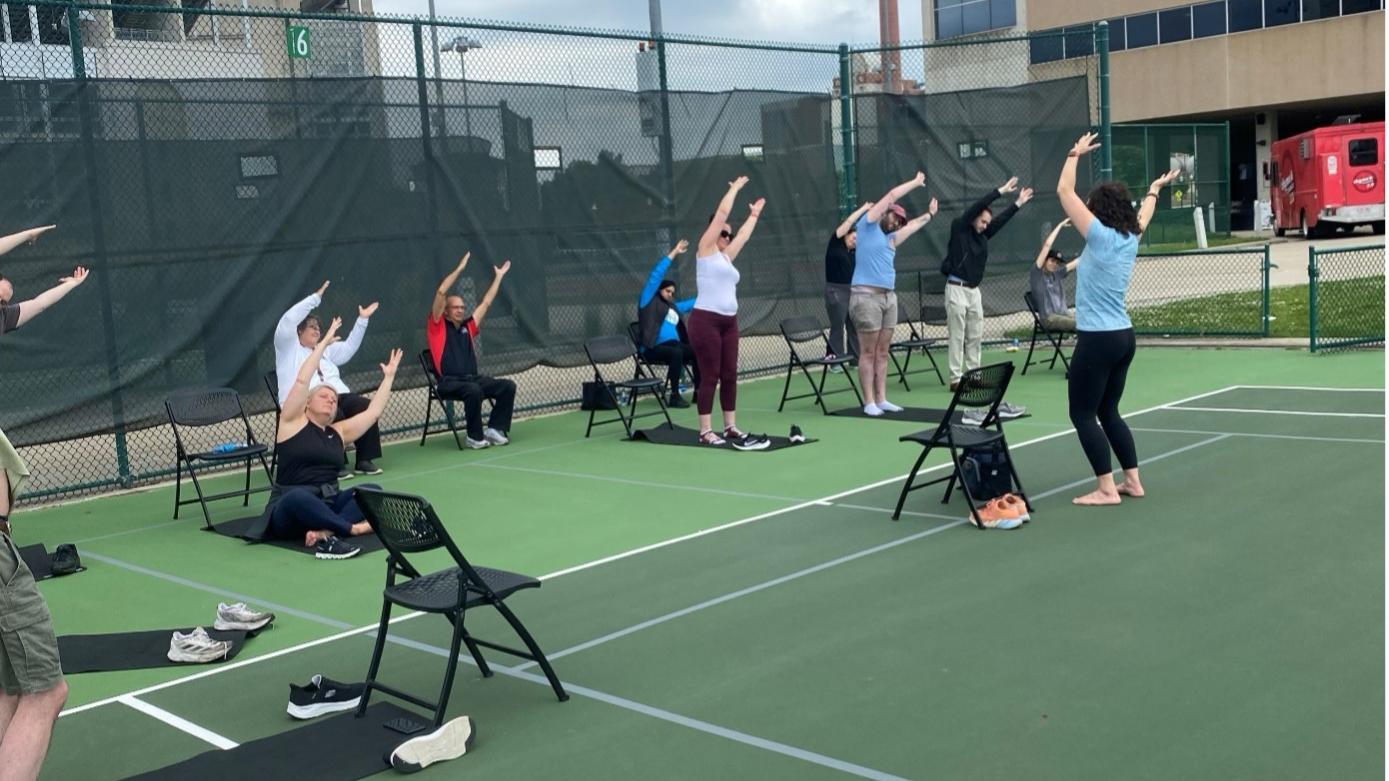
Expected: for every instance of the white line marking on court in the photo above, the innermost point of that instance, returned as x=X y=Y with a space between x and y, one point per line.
x=904 y=512
x=1308 y=388
x=1256 y=436
x=177 y=722
x=1282 y=412
x=1141 y=462
x=643 y=483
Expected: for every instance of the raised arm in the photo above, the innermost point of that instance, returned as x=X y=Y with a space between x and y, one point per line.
x=1004 y=216
x=352 y=428
x=877 y=210
x=745 y=230
x=445 y=285
x=1075 y=208
x=1149 y=205
x=292 y=411
x=967 y=217
x=287 y=330
x=30 y=309
x=343 y=351
x=905 y=232
x=658 y=273
x=709 y=241
x=852 y=219
x=480 y=311
x=31 y=235
x=1051 y=238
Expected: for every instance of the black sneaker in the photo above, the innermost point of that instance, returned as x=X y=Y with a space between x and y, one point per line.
x=750 y=442
x=796 y=436
x=368 y=468
x=450 y=741
x=323 y=695
x=345 y=474
x=334 y=548
x=65 y=560
x=676 y=402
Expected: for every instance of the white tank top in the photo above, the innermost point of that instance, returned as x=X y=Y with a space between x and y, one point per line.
x=716 y=284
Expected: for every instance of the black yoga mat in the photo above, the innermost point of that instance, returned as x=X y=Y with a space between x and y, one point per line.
x=369 y=543
x=337 y=748
x=133 y=650
x=680 y=435
x=910 y=415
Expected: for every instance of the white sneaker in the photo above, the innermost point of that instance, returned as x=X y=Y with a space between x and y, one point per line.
x=197 y=647
x=450 y=741
x=238 y=616
x=973 y=417
x=476 y=444
x=887 y=406
x=494 y=436
x=872 y=410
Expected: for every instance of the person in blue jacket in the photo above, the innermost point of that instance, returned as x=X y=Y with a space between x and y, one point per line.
x=662 y=326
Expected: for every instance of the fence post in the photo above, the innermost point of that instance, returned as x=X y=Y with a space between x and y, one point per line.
x=848 y=189
x=79 y=61
x=1106 y=147
x=1267 y=309
x=1312 y=274
x=422 y=89
x=667 y=155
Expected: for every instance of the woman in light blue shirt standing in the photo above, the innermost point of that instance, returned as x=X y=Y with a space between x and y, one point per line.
x=1104 y=335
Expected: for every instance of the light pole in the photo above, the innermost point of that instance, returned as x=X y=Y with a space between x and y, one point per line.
x=462 y=44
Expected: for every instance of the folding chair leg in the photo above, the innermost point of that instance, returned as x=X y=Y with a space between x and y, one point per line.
x=849 y=375
x=376 y=652
x=246 y=497
x=428 y=410
x=449 y=671
x=476 y=651
x=178 y=485
x=1030 y=346
x=901 y=368
x=447 y=407
x=934 y=366
x=660 y=399
x=531 y=645
x=1013 y=470
x=786 y=387
x=201 y=501
x=907 y=487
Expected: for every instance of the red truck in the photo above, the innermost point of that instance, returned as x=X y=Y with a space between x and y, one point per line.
x=1329 y=178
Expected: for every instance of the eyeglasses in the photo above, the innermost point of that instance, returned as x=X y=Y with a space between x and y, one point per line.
x=725 y=235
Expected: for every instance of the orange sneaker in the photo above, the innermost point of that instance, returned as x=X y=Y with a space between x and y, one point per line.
x=1016 y=506
x=993 y=515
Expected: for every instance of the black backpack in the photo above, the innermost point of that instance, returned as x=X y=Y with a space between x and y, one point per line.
x=985 y=471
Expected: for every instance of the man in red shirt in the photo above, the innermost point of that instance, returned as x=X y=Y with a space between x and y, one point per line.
x=450 y=332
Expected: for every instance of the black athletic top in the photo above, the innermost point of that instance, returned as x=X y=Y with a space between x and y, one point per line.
x=313 y=457
x=968 y=251
x=839 y=262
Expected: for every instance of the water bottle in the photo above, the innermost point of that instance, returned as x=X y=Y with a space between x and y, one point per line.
x=228 y=447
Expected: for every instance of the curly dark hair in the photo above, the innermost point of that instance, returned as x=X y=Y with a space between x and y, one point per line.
x=1112 y=205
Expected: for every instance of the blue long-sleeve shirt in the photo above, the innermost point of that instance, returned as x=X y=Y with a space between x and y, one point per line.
x=669 y=331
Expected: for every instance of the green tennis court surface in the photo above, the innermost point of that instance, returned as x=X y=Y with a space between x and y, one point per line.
x=718 y=614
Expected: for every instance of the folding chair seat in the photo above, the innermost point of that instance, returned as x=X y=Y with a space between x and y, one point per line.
x=432 y=382
x=644 y=367
x=916 y=341
x=1039 y=328
x=981 y=388
x=407 y=525
x=609 y=350
x=808 y=331
x=198 y=413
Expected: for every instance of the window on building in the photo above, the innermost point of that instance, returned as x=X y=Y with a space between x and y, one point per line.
x=53 y=24
x=966 y=17
x=1002 y=15
x=1208 y=19
x=1320 y=9
x=1045 y=47
x=1364 y=151
x=948 y=21
x=20 y=30
x=1279 y=12
x=1142 y=30
x=1360 y=6
x=1246 y=15
x=1175 y=25
x=1117 y=42
x=1080 y=41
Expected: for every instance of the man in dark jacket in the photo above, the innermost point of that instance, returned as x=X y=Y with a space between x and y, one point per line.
x=661 y=321
x=965 y=258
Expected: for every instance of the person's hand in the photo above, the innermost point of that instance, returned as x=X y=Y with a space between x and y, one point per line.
x=33 y=234
x=463 y=262
x=388 y=368
x=1063 y=223
x=1009 y=186
x=1085 y=145
x=680 y=246
x=919 y=180
x=1164 y=180
x=755 y=208
x=866 y=206
x=933 y=207
x=500 y=271
x=322 y=289
x=79 y=275
x=1024 y=196
x=737 y=184
x=331 y=335
x=368 y=310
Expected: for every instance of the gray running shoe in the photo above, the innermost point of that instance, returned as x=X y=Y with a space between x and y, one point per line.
x=973 y=417
x=238 y=616
x=450 y=741
x=197 y=647
x=1008 y=411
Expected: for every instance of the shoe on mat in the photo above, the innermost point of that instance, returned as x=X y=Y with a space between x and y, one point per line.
x=887 y=406
x=973 y=417
x=345 y=474
x=750 y=442
x=676 y=402
x=993 y=516
x=368 y=468
x=494 y=437
x=1008 y=411
x=197 y=647
x=450 y=741
x=1016 y=505
x=238 y=616
x=476 y=444
x=711 y=439
x=334 y=548
x=796 y=436
x=323 y=695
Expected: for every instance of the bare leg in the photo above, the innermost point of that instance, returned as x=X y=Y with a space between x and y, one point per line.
x=867 y=366
x=4 y=493
x=8 y=702
x=706 y=423
x=730 y=419
x=312 y=538
x=880 y=361
x=1105 y=492
x=26 y=736
x=1131 y=485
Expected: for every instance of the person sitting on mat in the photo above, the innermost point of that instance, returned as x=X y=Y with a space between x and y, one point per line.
x=295 y=336
x=872 y=297
x=1047 y=278
x=305 y=501
x=662 y=327
x=450 y=331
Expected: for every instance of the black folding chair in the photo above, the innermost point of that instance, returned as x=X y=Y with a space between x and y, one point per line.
x=644 y=367
x=205 y=409
x=608 y=350
x=1039 y=328
x=981 y=388
x=916 y=341
x=803 y=331
x=272 y=384
x=407 y=525
x=432 y=381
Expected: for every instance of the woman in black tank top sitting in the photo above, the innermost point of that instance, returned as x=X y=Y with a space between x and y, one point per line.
x=305 y=500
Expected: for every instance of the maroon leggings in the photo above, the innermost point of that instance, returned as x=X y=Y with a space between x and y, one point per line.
x=714 y=338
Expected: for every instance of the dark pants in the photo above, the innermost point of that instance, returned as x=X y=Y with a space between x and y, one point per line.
x=675 y=355
x=1099 y=367
x=471 y=391
x=837 y=307
x=715 y=341
x=369 y=443
x=301 y=510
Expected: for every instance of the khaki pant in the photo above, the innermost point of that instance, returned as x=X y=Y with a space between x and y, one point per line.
x=964 y=322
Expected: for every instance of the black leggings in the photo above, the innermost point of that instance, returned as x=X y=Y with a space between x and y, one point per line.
x=1099 y=367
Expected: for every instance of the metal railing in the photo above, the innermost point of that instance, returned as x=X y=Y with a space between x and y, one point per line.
x=1345 y=297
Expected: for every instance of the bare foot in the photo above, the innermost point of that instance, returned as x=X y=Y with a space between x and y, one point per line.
x=314 y=537
x=1129 y=488
x=1096 y=498
x=361 y=527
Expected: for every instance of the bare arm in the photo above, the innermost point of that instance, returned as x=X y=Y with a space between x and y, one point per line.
x=1075 y=208
x=745 y=230
x=13 y=240
x=30 y=309
x=905 y=232
x=1149 y=205
x=292 y=411
x=877 y=210
x=709 y=241
x=849 y=221
x=1051 y=237
x=352 y=428
x=480 y=311
x=445 y=285
x=1071 y=265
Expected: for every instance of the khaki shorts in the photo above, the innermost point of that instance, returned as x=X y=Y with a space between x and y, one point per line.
x=872 y=311
x=28 y=649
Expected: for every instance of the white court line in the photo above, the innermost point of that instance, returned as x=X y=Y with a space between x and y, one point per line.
x=595 y=563
x=1282 y=412
x=642 y=483
x=1141 y=462
x=1308 y=388
x=1256 y=436
x=178 y=722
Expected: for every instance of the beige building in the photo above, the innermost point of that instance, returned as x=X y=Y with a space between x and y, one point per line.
x=1270 y=68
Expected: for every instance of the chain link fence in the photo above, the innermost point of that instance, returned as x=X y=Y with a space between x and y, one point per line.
x=1345 y=298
